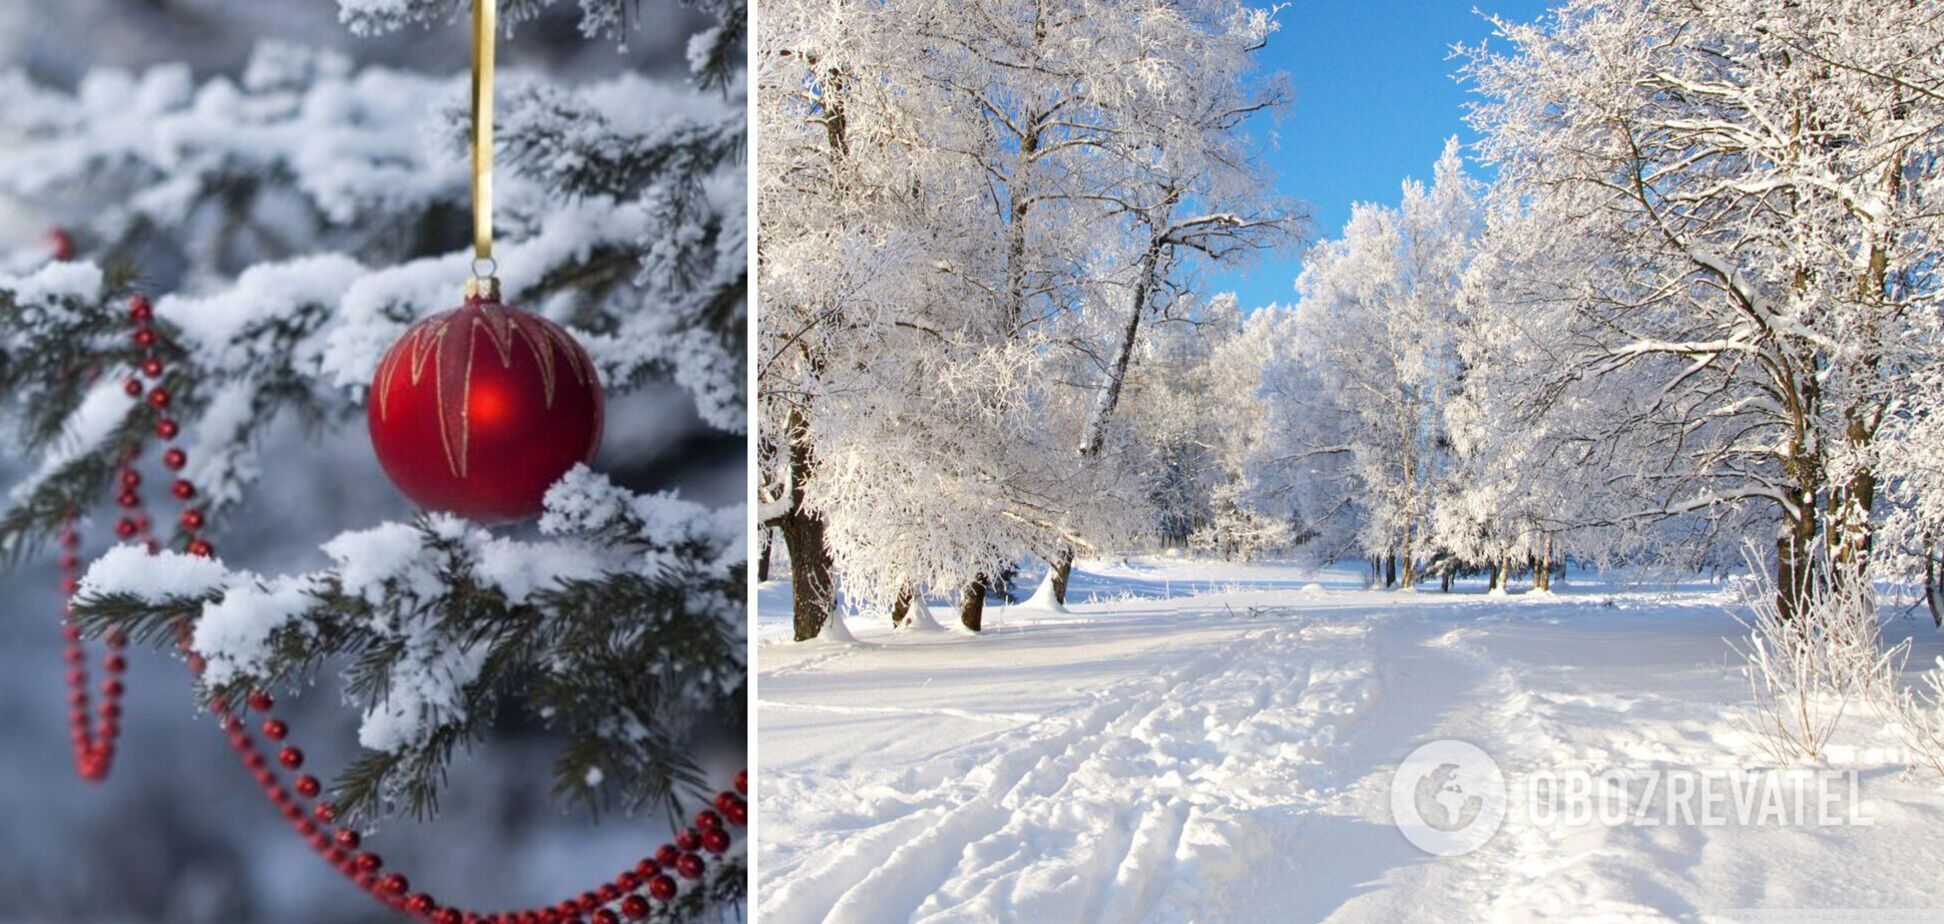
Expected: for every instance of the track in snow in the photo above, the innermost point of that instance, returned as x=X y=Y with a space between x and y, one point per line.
x=1167 y=758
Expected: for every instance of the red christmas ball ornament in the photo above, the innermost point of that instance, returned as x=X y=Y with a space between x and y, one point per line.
x=478 y=410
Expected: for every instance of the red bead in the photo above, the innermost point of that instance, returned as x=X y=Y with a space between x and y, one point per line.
x=115 y=663
x=291 y=758
x=158 y=397
x=132 y=387
x=70 y=586
x=349 y=839
x=368 y=863
x=167 y=429
x=448 y=916
x=724 y=799
x=325 y=812
x=70 y=538
x=111 y=712
x=647 y=867
x=201 y=548
x=152 y=367
x=261 y=701
x=275 y=729
x=715 y=840
x=661 y=887
x=309 y=787
x=174 y=458
x=634 y=906
x=605 y=916
x=130 y=478
x=126 y=528
x=608 y=892
x=628 y=881
x=182 y=489
x=70 y=560
x=394 y=884
x=742 y=781
x=687 y=840
x=62 y=243
x=484 y=438
x=690 y=866
x=192 y=519
x=737 y=813
x=139 y=308
x=128 y=499
x=666 y=855
x=144 y=338
x=706 y=819
x=421 y=904
x=111 y=688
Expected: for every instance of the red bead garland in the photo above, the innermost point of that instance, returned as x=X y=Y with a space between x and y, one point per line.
x=94 y=741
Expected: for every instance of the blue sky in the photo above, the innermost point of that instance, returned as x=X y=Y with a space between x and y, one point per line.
x=1374 y=101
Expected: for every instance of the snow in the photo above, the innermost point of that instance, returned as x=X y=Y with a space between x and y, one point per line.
x=234 y=634
x=1205 y=741
x=216 y=326
x=132 y=569
x=520 y=568
x=425 y=692
x=101 y=411
x=369 y=559
x=1043 y=598
x=54 y=282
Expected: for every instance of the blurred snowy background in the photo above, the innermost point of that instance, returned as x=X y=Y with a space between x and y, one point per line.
x=179 y=833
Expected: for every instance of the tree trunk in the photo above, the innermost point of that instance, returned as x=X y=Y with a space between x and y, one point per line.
x=1933 y=592
x=972 y=604
x=763 y=555
x=1445 y=577
x=1062 y=572
x=814 y=595
x=812 y=589
x=1795 y=559
x=1390 y=570
x=1542 y=571
x=901 y=607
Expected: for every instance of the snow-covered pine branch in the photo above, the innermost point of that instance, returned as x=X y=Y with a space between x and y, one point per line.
x=290 y=222
x=620 y=627
x=712 y=51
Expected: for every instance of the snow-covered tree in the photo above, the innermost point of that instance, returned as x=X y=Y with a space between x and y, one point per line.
x=290 y=221
x=969 y=214
x=1371 y=366
x=1735 y=218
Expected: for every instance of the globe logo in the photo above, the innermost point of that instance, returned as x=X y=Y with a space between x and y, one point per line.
x=1448 y=798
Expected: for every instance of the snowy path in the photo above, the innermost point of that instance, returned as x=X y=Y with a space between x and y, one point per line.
x=1160 y=757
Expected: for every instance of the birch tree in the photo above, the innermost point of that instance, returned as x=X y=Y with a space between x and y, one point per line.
x=1758 y=182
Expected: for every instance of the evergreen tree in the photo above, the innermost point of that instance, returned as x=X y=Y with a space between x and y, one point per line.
x=290 y=221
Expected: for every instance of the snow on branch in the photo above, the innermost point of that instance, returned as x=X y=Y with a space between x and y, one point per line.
x=621 y=626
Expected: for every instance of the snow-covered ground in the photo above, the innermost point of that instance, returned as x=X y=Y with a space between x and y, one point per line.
x=1201 y=741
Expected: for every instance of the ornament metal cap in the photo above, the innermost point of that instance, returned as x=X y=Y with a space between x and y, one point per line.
x=483 y=288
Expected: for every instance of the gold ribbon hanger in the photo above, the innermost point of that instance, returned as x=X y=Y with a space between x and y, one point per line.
x=485 y=29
